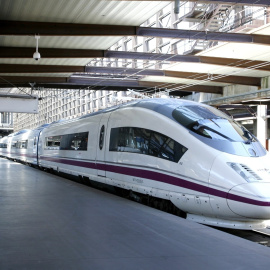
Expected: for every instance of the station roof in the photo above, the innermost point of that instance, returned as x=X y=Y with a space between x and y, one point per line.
x=73 y=32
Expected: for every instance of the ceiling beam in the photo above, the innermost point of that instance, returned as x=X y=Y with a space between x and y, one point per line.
x=234 y=62
x=25 y=28
x=204 y=35
x=243 y=98
x=103 y=82
x=240 y=2
x=24 y=52
x=71 y=29
x=150 y=56
x=244 y=80
x=27 y=52
x=182 y=87
x=63 y=86
x=20 y=68
x=237 y=2
x=97 y=82
x=124 y=71
x=258 y=102
x=30 y=79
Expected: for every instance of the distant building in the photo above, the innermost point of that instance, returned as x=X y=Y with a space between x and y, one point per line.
x=67 y=104
x=6 y=123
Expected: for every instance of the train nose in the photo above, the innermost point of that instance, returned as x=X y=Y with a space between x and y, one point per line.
x=251 y=200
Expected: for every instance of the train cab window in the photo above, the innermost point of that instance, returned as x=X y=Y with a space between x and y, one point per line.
x=218 y=130
x=211 y=123
x=145 y=141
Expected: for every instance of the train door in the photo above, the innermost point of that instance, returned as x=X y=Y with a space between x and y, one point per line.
x=101 y=148
x=35 y=149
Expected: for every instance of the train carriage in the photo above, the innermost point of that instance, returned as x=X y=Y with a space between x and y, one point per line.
x=188 y=153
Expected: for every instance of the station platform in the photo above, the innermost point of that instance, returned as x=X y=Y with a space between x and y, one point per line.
x=48 y=222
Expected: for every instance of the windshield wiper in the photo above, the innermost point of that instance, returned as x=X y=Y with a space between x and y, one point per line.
x=212 y=120
x=198 y=127
x=247 y=135
x=248 y=141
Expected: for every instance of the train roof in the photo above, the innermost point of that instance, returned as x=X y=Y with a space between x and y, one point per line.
x=19 y=132
x=42 y=127
x=163 y=106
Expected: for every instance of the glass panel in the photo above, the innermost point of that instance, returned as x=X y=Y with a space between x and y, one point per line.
x=79 y=141
x=76 y=141
x=144 y=141
x=101 y=137
x=211 y=123
x=52 y=142
x=3 y=145
x=156 y=141
x=23 y=144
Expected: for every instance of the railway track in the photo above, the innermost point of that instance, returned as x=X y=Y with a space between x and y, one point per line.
x=261 y=237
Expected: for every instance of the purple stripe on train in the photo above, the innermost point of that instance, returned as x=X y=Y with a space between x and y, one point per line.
x=160 y=177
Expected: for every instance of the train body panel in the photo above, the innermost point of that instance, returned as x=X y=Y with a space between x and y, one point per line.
x=23 y=146
x=204 y=163
x=163 y=175
x=68 y=157
x=238 y=186
x=19 y=149
x=7 y=151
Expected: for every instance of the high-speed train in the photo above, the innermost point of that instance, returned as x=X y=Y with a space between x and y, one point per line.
x=191 y=154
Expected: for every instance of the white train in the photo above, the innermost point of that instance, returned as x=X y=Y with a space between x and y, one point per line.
x=188 y=153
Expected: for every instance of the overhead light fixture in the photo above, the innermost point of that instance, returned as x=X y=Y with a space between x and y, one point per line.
x=36 y=54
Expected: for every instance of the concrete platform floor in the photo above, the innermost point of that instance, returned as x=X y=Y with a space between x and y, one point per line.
x=48 y=222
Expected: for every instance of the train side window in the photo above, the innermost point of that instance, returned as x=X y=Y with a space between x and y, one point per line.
x=75 y=141
x=114 y=139
x=83 y=141
x=172 y=150
x=142 y=137
x=52 y=142
x=3 y=145
x=101 y=137
x=145 y=141
x=14 y=145
x=23 y=144
x=65 y=142
x=35 y=141
x=78 y=141
x=156 y=142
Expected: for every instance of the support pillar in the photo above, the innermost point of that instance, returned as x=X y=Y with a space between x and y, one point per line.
x=262 y=124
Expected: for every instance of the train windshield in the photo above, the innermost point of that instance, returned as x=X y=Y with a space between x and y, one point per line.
x=217 y=129
x=211 y=123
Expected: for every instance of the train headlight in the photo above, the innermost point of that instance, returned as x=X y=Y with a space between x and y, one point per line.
x=245 y=172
